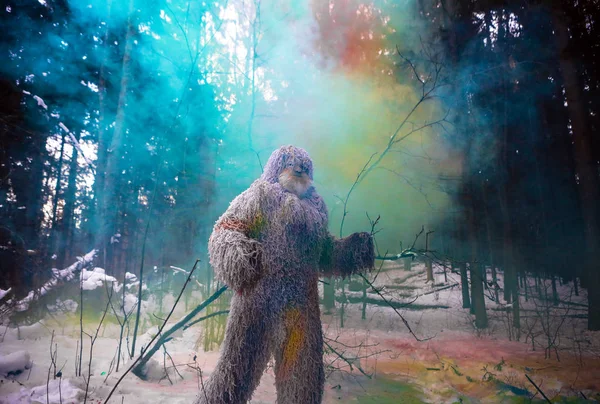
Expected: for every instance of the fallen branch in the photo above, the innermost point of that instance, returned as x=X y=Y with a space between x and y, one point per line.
x=410 y=252
x=58 y=275
x=437 y=290
x=538 y=389
x=166 y=336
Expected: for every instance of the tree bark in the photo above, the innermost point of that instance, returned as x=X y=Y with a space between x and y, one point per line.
x=587 y=169
x=464 y=282
x=68 y=224
x=53 y=244
x=478 y=297
x=113 y=153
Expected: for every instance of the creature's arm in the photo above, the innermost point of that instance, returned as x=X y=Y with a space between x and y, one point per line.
x=234 y=249
x=347 y=256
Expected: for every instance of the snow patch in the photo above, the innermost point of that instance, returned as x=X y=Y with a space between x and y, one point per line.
x=154 y=371
x=57 y=391
x=58 y=275
x=40 y=102
x=4 y=293
x=25 y=332
x=14 y=363
x=64 y=127
x=67 y=306
x=95 y=278
x=115 y=239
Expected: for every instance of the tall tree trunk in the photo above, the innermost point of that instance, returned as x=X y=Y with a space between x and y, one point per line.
x=110 y=211
x=555 y=299
x=114 y=151
x=478 y=297
x=475 y=269
x=53 y=247
x=587 y=169
x=96 y=236
x=464 y=284
x=489 y=231
x=68 y=224
x=34 y=201
x=329 y=295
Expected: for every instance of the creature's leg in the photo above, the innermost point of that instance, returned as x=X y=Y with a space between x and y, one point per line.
x=299 y=372
x=244 y=356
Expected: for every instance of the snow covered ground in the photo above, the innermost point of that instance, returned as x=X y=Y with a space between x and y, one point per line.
x=456 y=362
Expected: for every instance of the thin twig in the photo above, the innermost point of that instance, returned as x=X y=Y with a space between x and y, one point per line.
x=92 y=342
x=396 y=310
x=342 y=357
x=358 y=179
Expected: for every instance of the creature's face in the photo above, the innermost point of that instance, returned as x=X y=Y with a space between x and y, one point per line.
x=295 y=180
x=292 y=168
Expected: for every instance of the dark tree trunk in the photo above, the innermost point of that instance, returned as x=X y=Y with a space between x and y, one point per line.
x=328 y=295
x=555 y=299
x=587 y=169
x=68 y=226
x=53 y=244
x=109 y=210
x=464 y=284
x=478 y=296
x=476 y=270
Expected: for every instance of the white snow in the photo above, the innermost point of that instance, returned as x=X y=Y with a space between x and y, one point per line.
x=57 y=391
x=40 y=102
x=75 y=143
x=67 y=306
x=64 y=127
x=130 y=301
x=136 y=283
x=4 y=293
x=381 y=326
x=14 y=363
x=58 y=275
x=24 y=332
x=95 y=278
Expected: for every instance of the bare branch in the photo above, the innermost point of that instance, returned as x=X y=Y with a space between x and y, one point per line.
x=396 y=310
x=356 y=182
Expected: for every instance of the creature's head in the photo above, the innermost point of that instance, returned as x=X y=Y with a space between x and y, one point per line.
x=292 y=168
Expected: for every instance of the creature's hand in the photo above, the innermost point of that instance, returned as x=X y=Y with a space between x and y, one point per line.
x=347 y=256
x=363 y=250
x=236 y=259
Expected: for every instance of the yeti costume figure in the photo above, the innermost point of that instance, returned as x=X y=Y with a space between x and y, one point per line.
x=270 y=247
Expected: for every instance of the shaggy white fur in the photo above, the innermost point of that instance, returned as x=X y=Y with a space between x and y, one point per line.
x=270 y=247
